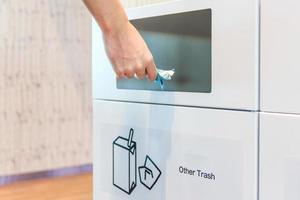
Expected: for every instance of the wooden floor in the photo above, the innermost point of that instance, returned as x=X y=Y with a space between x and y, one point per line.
x=66 y=188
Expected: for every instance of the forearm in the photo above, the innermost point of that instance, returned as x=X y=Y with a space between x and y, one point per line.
x=109 y=14
x=125 y=47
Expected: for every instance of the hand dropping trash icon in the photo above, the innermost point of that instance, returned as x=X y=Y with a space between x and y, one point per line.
x=125 y=166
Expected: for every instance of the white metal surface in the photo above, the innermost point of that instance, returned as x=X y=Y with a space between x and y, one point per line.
x=234 y=57
x=280 y=56
x=280 y=157
x=222 y=143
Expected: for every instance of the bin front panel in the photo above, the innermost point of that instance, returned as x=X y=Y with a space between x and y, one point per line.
x=280 y=157
x=178 y=153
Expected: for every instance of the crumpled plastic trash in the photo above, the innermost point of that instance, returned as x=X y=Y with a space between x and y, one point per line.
x=162 y=76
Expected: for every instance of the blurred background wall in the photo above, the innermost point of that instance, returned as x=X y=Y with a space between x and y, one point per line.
x=45 y=84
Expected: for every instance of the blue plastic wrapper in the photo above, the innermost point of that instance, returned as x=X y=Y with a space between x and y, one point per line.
x=162 y=76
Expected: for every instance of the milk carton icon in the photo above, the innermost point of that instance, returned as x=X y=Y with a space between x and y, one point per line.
x=125 y=163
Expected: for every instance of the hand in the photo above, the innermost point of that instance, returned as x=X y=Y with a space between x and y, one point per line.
x=129 y=53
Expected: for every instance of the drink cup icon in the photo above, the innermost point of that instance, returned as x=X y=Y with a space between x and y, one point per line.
x=125 y=163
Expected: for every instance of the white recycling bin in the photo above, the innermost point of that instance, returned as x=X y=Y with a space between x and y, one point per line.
x=198 y=137
x=280 y=97
x=212 y=45
x=280 y=156
x=280 y=61
x=163 y=152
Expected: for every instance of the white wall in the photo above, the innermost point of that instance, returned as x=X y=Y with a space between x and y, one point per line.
x=45 y=84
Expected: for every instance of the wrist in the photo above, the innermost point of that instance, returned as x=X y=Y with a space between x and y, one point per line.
x=113 y=25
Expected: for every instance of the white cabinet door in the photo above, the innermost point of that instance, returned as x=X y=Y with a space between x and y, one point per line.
x=154 y=152
x=280 y=157
x=215 y=66
x=280 y=56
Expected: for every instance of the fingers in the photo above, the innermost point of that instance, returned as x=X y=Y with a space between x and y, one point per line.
x=151 y=71
x=124 y=72
x=120 y=73
x=129 y=53
x=129 y=72
x=147 y=67
x=140 y=72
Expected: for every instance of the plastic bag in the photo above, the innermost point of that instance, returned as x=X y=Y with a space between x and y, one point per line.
x=162 y=76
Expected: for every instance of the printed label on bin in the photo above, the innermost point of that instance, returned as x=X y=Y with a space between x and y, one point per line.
x=149 y=173
x=125 y=170
x=146 y=163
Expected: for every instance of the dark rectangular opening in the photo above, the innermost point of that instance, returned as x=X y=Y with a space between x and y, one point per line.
x=178 y=41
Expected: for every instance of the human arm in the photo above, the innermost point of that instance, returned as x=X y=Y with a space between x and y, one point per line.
x=126 y=49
